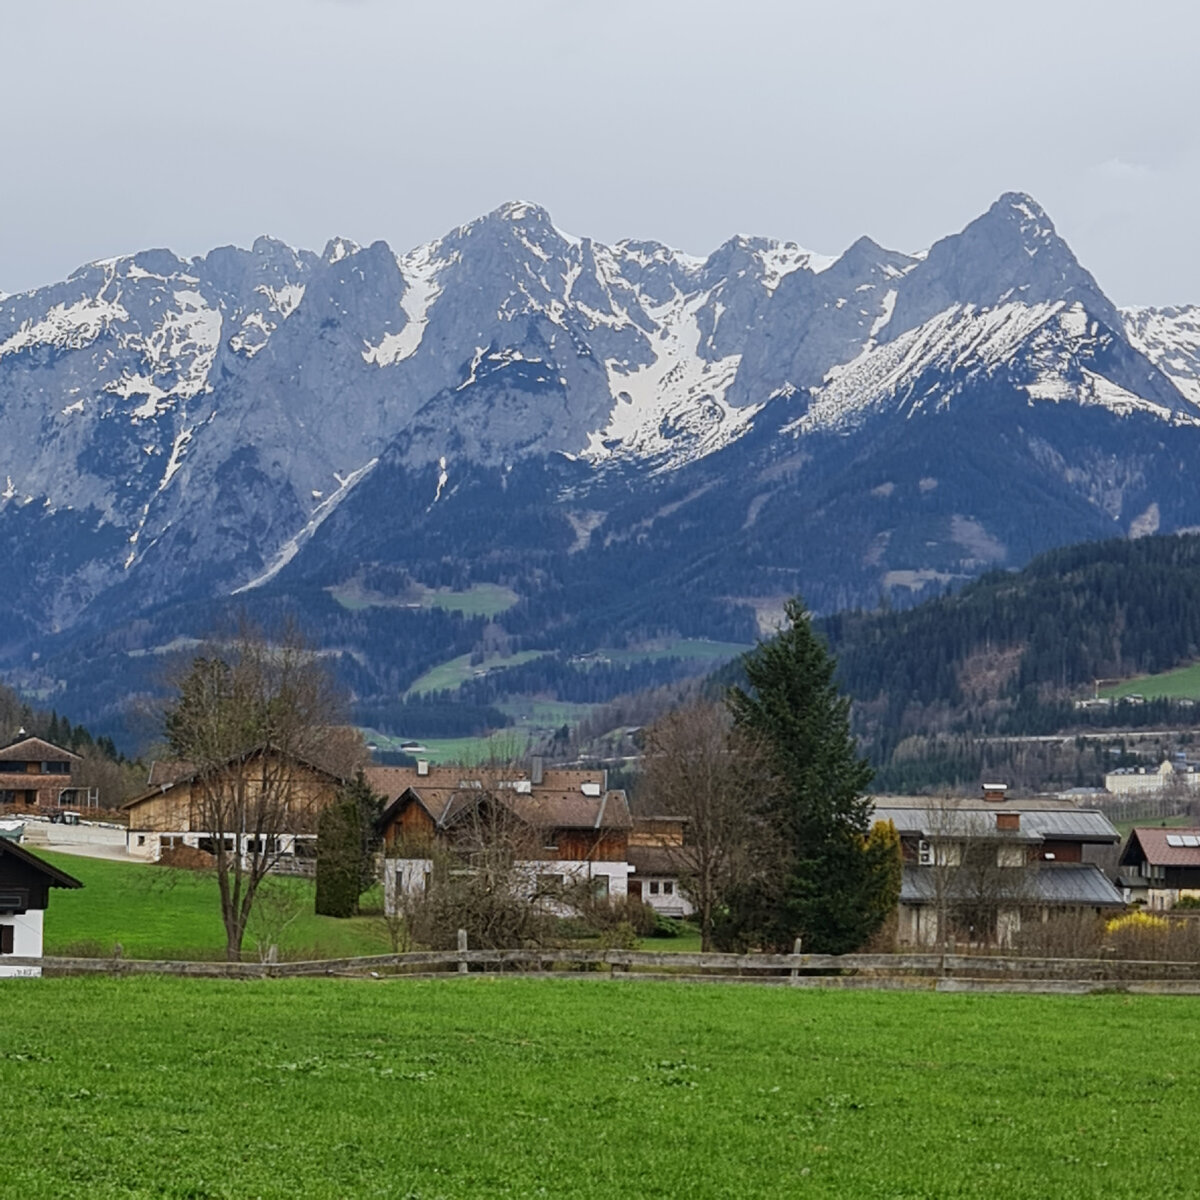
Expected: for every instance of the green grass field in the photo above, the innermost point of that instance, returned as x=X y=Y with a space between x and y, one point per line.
x=157 y=912
x=451 y=674
x=693 y=649
x=1181 y=684
x=583 y=1087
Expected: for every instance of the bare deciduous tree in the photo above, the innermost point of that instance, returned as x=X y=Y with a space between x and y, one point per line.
x=252 y=718
x=697 y=766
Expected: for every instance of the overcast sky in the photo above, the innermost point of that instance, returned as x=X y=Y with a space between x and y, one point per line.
x=138 y=123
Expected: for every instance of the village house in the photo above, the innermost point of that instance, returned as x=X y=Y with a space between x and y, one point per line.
x=1159 y=867
x=25 y=883
x=655 y=845
x=172 y=813
x=556 y=826
x=988 y=864
x=37 y=774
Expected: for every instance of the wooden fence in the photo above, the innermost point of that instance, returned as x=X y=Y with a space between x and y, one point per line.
x=941 y=972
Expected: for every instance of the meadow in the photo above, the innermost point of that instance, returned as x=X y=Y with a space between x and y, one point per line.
x=1183 y=683
x=157 y=912
x=585 y=1087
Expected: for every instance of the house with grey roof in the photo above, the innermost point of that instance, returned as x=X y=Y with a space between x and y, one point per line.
x=977 y=868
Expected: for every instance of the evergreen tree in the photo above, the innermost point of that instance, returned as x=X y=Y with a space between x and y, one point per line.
x=346 y=845
x=828 y=886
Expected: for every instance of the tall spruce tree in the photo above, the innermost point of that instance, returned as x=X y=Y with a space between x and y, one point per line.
x=829 y=885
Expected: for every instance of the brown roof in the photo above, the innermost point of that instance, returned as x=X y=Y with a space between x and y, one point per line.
x=652 y=860
x=190 y=771
x=390 y=782
x=1153 y=841
x=164 y=770
x=542 y=808
x=34 y=749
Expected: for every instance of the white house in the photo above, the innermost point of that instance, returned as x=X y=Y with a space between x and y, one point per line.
x=25 y=883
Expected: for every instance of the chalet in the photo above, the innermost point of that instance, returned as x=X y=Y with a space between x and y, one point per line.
x=37 y=774
x=25 y=883
x=554 y=825
x=655 y=855
x=172 y=813
x=1159 y=867
x=989 y=864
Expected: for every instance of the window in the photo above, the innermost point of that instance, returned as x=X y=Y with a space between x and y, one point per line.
x=7 y=933
x=654 y=887
x=600 y=887
x=141 y=839
x=14 y=900
x=668 y=887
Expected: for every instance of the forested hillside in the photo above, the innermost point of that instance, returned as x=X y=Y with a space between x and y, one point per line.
x=1011 y=653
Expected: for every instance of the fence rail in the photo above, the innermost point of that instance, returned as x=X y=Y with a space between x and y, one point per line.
x=943 y=972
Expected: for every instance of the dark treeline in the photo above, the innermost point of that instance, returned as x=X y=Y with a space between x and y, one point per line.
x=436 y=715
x=1101 y=610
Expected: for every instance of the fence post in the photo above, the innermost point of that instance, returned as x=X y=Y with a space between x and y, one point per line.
x=462 y=948
x=796 y=950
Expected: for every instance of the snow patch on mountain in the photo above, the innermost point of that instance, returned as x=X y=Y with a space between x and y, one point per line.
x=1170 y=339
x=959 y=339
x=292 y=546
x=420 y=269
x=675 y=406
x=68 y=326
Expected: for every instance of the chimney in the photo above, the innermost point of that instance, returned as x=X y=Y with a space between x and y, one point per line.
x=422 y=766
x=995 y=792
x=1008 y=822
x=536 y=770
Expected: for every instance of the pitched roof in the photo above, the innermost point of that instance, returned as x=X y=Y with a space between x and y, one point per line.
x=190 y=771
x=55 y=877
x=35 y=749
x=1042 y=817
x=390 y=782
x=543 y=808
x=1049 y=883
x=1164 y=847
x=653 y=860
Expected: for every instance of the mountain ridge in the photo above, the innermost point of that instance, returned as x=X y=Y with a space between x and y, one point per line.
x=760 y=421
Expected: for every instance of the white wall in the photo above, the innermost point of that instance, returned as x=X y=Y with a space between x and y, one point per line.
x=411 y=873
x=27 y=942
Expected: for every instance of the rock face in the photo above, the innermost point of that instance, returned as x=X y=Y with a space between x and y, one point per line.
x=269 y=421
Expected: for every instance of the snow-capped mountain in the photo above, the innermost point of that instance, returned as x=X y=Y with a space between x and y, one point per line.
x=174 y=431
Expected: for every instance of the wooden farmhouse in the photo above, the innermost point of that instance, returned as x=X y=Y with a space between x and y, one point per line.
x=989 y=865
x=1159 y=867
x=554 y=826
x=25 y=883
x=280 y=796
x=36 y=774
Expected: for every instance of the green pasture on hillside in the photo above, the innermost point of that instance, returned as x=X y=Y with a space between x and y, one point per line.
x=1181 y=684
x=585 y=1087
x=159 y=912
x=479 y=600
x=449 y=675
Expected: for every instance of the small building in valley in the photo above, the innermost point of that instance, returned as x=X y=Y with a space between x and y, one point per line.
x=1159 y=866
x=37 y=774
x=985 y=866
x=25 y=883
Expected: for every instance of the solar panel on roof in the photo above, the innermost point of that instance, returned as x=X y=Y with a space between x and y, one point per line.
x=1173 y=839
x=1190 y=839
